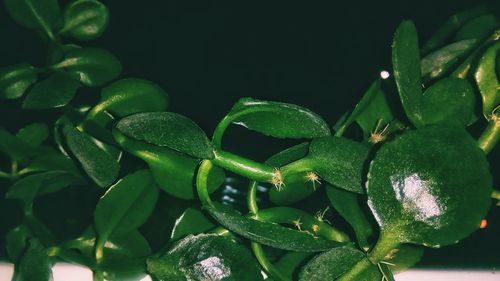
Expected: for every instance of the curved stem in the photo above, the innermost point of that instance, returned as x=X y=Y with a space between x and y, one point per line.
x=252 y=198
x=202 y=183
x=490 y=135
x=246 y=167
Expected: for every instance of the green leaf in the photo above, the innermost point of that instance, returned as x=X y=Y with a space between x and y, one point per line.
x=296 y=186
x=41 y=14
x=34 y=134
x=487 y=80
x=15 y=80
x=450 y=27
x=51 y=162
x=16 y=242
x=406 y=64
x=450 y=101
x=85 y=19
x=339 y=161
x=347 y=204
x=35 y=265
x=429 y=186
x=439 y=62
x=334 y=263
x=91 y=66
x=13 y=146
x=290 y=262
x=404 y=257
x=205 y=257
x=129 y=96
x=478 y=28
x=276 y=119
x=191 y=221
x=125 y=206
x=167 y=129
x=32 y=186
x=386 y=272
x=174 y=172
x=100 y=166
x=271 y=234
x=56 y=91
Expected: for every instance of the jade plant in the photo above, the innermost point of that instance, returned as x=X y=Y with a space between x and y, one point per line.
x=141 y=190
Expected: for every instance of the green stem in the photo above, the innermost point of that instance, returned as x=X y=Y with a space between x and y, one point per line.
x=202 y=183
x=70 y=256
x=246 y=167
x=495 y=194
x=5 y=175
x=98 y=275
x=252 y=198
x=490 y=135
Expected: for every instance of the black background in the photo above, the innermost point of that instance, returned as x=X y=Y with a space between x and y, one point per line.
x=208 y=54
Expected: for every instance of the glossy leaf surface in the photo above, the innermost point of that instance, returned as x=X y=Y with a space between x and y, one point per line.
x=438 y=62
x=126 y=205
x=91 y=66
x=406 y=65
x=271 y=234
x=35 y=265
x=56 y=91
x=205 y=257
x=277 y=119
x=192 y=221
x=15 y=80
x=339 y=161
x=332 y=264
x=487 y=80
x=404 y=257
x=347 y=204
x=450 y=101
x=42 y=14
x=174 y=172
x=99 y=165
x=170 y=130
x=34 y=134
x=420 y=193
x=85 y=19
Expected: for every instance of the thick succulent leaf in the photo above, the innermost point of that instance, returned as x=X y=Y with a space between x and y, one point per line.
x=334 y=263
x=440 y=61
x=339 y=161
x=281 y=120
x=375 y=114
x=35 y=265
x=91 y=66
x=16 y=242
x=126 y=205
x=429 y=186
x=347 y=204
x=13 y=146
x=168 y=129
x=34 y=134
x=296 y=187
x=205 y=257
x=100 y=166
x=192 y=221
x=478 y=28
x=129 y=96
x=488 y=81
x=404 y=257
x=41 y=14
x=447 y=30
x=271 y=234
x=56 y=91
x=174 y=172
x=51 y=162
x=32 y=186
x=406 y=64
x=450 y=101
x=291 y=262
x=85 y=19
x=15 y=80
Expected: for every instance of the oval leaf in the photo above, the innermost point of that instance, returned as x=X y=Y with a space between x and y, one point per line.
x=91 y=66
x=406 y=64
x=125 y=206
x=34 y=265
x=478 y=28
x=487 y=80
x=439 y=62
x=56 y=91
x=85 y=19
x=321 y=268
x=271 y=234
x=34 y=134
x=15 y=80
x=170 y=130
x=42 y=14
x=450 y=101
x=100 y=166
x=339 y=161
x=276 y=119
x=205 y=257
x=192 y=221
x=174 y=172
x=13 y=146
x=16 y=241
x=429 y=186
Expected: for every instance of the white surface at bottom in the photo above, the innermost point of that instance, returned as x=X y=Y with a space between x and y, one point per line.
x=66 y=272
